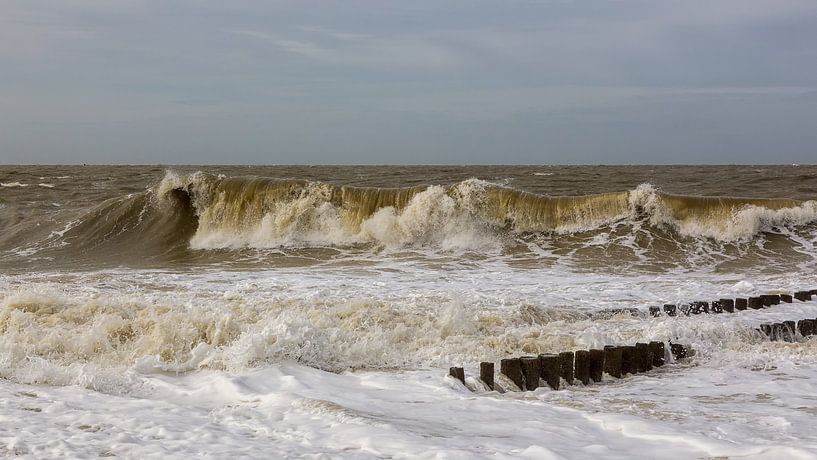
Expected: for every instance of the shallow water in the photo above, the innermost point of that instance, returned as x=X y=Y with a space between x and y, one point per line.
x=314 y=311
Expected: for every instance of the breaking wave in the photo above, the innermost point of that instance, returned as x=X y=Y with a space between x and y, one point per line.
x=207 y=212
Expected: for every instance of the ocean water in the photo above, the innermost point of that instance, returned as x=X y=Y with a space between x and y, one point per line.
x=314 y=312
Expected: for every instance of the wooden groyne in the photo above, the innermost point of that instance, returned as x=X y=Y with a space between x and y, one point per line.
x=730 y=305
x=554 y=370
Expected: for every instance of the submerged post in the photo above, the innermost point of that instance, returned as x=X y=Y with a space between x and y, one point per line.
x=583 y=366
x=566 y=366
x=612 y=360
x=531 y=371
x=512 y=368
x=805 y=327
x=628 y=360
x=596 y=364
x=803 y=296
x=458 y=373
x=679 y=351
x=788 y=331
x=486 y=374
x=643 y=355
x=657 y=349
x=550 y=369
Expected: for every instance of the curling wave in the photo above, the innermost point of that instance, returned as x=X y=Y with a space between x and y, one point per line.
x=206 y=212
x=237 y=212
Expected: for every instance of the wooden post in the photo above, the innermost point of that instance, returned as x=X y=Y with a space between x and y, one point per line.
x=566 y=366
x=699 y=307
x=785 y=298
x=458 y=373
x=486 y=374
x=755 y=303
x=531 y=371
x=670 y=309
x=643 y=357
x=612 y=360
x=657 y=349
x=679 y=351
x=803 y=296
x=728 y=305
x=788 y=331
x=512 y=368
x=550 y=369
x=596 y=364
x=628 y=360
x=741 y=304
x=805 y=327
x=583 y=366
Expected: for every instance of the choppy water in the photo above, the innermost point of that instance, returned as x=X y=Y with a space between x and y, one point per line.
x=309 y=310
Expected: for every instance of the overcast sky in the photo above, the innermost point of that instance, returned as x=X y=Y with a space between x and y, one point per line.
x=416 y=81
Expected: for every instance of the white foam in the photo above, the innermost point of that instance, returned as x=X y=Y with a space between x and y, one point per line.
x=213 y=362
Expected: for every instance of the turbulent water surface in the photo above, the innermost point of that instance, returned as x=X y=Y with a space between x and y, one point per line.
x=308 y=311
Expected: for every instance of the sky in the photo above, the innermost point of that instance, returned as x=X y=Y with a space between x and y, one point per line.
x=410 y=82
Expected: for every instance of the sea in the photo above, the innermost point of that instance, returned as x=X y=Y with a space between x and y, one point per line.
x=314 y=311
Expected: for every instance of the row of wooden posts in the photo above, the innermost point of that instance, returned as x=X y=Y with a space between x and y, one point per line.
x=527 y=372
x=731 y=305
x=787 y=331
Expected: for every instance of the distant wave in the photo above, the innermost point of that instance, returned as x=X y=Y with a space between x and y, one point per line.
x=205 y=212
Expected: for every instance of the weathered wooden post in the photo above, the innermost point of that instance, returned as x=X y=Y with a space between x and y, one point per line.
x=728 y=305
x=655 y=312
x=670 y=309
x=596 y=364
x=805 y=327
x=531 y=371
x=788 y=331
x=755 y=303
x=785 y=298
x=612 y=360
x=458 y=373
x=803 y=296
x=582 y=368
x=777 y=331
x=486 y=374
x=512 y=368
x=566 y=366
x=550 y=369
x=628 y=360
x=679 y=351
x=657 y=349
x=643 y=357
x=741 y=304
